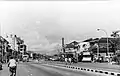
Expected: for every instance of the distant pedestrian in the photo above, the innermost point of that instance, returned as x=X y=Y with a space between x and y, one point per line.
x=95 y=58
x=66 y=61
x=70 y=60
x=108 y=60
x=100 y=59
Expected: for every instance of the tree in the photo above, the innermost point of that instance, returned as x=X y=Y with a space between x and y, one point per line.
x=115 y=34
x=116 y=39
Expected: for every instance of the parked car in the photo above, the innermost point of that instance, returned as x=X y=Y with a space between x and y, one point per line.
x=55 y=59
x=0 y=66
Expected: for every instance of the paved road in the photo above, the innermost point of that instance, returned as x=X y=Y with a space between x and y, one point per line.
x=33 y=69
x=101 y=66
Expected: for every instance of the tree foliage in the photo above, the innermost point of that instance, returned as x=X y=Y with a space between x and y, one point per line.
x=116 y=39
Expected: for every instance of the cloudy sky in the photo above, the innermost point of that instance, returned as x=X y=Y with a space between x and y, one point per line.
x=42 y=24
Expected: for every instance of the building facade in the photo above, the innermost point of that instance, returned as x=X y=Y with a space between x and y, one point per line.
x=4 y=47
x=22 y=48
x=99 y=45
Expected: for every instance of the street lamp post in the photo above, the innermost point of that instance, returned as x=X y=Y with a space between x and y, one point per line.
x=97 y=50
x=107 y=53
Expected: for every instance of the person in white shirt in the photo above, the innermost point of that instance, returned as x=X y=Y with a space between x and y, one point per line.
x=66 y=61
x=70 y=60
x=12 y=64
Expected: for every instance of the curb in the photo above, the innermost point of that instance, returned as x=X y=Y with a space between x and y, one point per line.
x=93 y=70
x=88 y=69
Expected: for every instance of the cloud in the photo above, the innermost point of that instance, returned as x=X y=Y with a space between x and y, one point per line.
x=43 y=24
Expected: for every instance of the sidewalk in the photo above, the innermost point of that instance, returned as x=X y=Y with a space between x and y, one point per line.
x=5 y=71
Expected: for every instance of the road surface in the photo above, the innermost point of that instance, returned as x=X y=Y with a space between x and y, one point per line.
x=37 y=69
x=101 y=66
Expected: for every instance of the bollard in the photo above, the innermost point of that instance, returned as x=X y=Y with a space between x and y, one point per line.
x=112 y=74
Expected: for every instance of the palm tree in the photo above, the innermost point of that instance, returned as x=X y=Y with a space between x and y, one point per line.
x=116 y=39
x=115 y=34
x=19 y=40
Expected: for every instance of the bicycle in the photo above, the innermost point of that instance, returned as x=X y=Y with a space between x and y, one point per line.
x=13 y=71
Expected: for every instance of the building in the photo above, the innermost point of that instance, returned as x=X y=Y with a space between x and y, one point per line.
x=3 y=48
x=99 y=45
x=83 y=46
x=22 y=48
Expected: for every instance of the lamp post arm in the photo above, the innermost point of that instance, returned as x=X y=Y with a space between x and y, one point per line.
x=107 y=40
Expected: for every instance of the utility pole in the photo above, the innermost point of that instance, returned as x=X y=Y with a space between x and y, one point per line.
x=97 y=49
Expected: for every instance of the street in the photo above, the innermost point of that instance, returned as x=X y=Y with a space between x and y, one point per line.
x=101 y=66
x=37 y=69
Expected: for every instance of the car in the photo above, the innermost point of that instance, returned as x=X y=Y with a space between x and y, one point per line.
x=25 y=58
x=0 y=66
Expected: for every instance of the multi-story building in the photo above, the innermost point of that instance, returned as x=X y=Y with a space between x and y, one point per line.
x=3 y=48
x=22 y=48
x=101 y=47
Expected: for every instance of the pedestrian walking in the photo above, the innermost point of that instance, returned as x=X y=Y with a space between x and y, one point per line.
x=66 y=61
x=100 y=59
x=70 y=60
